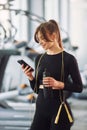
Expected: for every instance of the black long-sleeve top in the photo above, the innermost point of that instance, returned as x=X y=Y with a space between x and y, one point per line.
x=53 y=63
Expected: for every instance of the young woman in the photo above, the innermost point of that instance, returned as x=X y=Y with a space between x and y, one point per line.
x=52 y=112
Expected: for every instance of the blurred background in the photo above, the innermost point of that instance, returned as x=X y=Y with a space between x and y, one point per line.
x=18 y=21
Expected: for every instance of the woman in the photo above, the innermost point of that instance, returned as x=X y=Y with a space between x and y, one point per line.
x=57 y=62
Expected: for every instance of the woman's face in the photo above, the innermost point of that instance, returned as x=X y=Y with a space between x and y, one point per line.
x=44 y=43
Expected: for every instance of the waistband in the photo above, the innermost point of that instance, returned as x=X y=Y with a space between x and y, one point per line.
x=54 y=91
x=42 y=87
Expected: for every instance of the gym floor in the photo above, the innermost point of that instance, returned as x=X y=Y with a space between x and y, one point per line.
x=18 y=115
x=79 y=109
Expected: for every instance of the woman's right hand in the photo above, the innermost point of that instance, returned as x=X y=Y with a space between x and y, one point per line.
x=27 y=72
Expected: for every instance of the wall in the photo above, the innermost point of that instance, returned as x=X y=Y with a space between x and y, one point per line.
x=78 y=29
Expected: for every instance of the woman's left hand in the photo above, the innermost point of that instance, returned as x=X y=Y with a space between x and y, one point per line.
x=51 y=82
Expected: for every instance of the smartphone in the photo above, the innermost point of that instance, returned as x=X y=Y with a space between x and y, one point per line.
x=25 y=64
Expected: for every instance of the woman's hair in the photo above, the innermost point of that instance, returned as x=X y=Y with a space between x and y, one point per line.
x=49 y=27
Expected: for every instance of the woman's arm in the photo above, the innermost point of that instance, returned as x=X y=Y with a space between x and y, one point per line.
x=75 y=84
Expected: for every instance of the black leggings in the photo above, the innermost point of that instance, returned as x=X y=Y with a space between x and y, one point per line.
x=45 y=114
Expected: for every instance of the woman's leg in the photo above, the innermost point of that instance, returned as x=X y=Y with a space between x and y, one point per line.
x=41 y=119
x=59 y=127
x=63 y=123
x=40 y=123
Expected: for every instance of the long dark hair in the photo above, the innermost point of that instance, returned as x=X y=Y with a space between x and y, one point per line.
x=48 y=27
